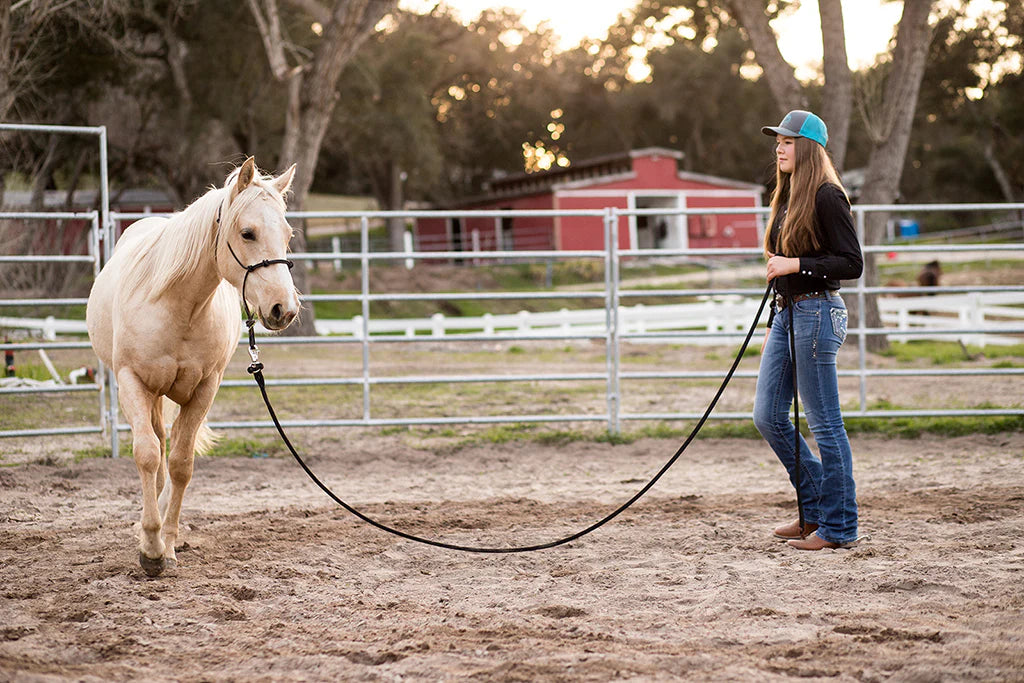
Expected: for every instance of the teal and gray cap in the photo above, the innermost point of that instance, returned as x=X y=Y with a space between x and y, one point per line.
x=800 y=124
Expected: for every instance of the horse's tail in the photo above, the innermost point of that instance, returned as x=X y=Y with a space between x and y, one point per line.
x=206 y=438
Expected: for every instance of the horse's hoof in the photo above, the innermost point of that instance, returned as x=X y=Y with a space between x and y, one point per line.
x=153 y=566
x=170 y=562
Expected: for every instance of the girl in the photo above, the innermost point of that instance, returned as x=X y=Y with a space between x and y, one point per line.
x=811 y=245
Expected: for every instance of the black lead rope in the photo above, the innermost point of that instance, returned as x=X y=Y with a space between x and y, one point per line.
x=796 y=414
x=256 y=370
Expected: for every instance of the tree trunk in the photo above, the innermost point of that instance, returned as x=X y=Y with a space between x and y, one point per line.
x=396 y=202
x=6 y=61
x=312 y=95
x=890 y=136
x=786 y=89
x=837 y=104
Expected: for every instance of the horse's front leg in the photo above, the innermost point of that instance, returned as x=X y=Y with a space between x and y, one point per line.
x=138 y=403
x=180 y=459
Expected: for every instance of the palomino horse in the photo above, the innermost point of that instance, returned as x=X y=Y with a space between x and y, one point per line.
x=163 y=314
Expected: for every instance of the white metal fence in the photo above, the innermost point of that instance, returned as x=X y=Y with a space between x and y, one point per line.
x=721 y=319
x=985 y=314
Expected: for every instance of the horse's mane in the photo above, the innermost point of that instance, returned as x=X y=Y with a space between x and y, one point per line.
x=174 y=251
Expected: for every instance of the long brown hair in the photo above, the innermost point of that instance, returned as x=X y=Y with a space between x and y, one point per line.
x=796 y=191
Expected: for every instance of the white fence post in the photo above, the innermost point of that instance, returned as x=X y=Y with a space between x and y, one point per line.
x=976 y=312
x=407 y=243
x=524 y=321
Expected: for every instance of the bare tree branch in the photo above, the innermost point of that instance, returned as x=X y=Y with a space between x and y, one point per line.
x=269 y=27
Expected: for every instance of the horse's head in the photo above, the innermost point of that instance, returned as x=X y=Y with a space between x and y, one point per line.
x=254 y=230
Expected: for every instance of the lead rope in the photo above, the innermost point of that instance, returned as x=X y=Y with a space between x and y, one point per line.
x=796 y=415
x=256 y=370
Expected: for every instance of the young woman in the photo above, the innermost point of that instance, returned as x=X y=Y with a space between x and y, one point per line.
x=811 y=245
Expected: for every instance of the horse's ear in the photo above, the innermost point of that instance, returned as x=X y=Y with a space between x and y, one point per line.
x=245 y=175
x=284 y=181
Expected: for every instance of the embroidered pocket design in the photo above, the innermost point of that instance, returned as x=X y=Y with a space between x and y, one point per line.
x=839 y=318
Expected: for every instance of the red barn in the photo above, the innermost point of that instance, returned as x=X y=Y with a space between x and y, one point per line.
x=642 y=179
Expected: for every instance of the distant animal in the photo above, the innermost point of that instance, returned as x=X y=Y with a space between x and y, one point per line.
x=163 y=314
x=930 y=274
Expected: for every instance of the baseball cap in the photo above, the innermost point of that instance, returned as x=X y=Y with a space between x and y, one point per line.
x=800 y=124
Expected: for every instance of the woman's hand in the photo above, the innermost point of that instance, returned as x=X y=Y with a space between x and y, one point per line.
x=781 y=265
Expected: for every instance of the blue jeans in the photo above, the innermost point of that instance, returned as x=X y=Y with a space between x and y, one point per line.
x=827 y=489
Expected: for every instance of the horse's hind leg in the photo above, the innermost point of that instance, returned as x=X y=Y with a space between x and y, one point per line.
x=138 y=402
x=180 y=460
x=161 y=436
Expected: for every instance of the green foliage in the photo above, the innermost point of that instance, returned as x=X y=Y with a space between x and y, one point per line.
x=451 y=105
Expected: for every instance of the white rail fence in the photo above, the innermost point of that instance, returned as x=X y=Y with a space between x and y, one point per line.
x=984 y=313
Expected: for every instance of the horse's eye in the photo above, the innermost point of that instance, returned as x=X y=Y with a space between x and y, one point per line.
x=248 y=234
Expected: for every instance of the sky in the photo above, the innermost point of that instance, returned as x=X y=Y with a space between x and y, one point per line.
x=869 y=24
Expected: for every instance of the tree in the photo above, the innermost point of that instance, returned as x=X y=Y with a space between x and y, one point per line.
x=889 y=132
x=889 y=125
x=449 y=105
x=311 y=77
x=967 y=141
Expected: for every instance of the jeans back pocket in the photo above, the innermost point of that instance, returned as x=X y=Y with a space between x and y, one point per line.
x=839 y=320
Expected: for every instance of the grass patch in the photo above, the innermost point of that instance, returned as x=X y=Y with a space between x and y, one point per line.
x=35 y=411
x=902 y=428
x=947 y=353
x=124 y=450
x=227 y=447
x=914 y=427
x=36 y=371
x=1013 y=350
x=506 y=433
x=530 y=433
x=753 y=350
x=246 y=447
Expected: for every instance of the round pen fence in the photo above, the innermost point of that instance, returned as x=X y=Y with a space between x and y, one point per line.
x=978 y=314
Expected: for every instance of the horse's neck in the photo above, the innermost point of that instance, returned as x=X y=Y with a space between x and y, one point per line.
x=198 y=287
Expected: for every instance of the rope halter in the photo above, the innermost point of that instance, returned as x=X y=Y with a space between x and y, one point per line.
x=250 y=318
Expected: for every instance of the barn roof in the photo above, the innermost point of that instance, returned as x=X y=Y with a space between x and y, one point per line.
x=594 y=171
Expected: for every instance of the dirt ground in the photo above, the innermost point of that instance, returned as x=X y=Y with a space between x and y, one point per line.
x=274 y=582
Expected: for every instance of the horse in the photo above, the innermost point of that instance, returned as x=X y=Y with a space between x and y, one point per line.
x=164 y=315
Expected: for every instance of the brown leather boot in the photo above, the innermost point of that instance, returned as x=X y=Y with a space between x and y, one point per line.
x=816 y=542
x=792 y=530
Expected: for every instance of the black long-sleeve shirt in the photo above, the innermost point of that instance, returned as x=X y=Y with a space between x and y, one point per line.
x=838 y=258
